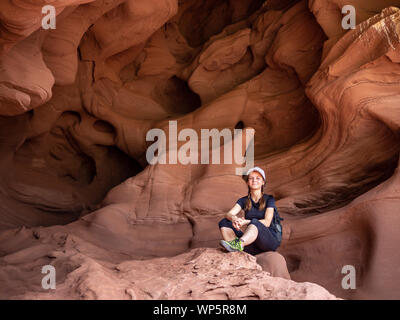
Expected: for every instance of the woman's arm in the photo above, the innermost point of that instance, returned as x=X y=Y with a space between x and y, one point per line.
x=269 y=213
x=232 y=214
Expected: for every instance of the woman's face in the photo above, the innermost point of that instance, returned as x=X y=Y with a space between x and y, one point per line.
x=255 y=180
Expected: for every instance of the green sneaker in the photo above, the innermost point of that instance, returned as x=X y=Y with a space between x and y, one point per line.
x=233 y=245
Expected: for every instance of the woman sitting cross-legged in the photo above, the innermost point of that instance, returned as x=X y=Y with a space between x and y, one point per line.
x=255 y=233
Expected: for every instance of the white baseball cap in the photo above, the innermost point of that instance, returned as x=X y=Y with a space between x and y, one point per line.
x=259 y=170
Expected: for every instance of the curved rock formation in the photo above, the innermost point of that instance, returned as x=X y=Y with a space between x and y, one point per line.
x=77 y=103
x=202 y=273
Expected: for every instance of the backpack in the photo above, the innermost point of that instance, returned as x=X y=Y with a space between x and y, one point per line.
x=276 y=224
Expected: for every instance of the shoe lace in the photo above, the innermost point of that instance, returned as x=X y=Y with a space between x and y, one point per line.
x=237 y=241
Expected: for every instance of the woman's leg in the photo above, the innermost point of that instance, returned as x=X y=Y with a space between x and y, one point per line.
x=252 y=249
x=228 y=231
x=265 y=240
x=250 y=235
x=227 y=234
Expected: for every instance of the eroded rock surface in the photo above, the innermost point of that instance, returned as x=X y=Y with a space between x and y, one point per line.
x=202 y=273
x=77 y=102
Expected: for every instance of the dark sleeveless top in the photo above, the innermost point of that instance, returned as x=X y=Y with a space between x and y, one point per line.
x=254 y=212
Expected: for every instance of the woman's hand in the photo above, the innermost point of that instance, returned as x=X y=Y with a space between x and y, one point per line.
x=238 y=223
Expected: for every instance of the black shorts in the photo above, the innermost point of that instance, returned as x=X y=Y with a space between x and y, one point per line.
x=266 y=239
